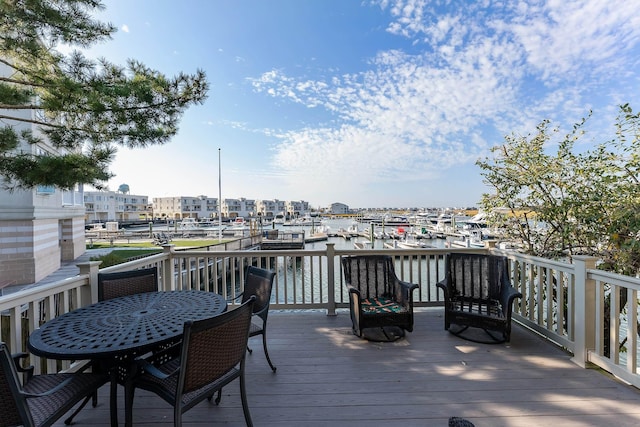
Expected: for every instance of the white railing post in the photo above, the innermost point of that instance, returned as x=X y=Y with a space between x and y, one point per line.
x=585 y=310
x=168 y=273
x=331 y=285
x=91 y=269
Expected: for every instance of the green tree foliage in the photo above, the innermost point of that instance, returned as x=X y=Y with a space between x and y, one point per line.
x=569 y=203
x=80 y=110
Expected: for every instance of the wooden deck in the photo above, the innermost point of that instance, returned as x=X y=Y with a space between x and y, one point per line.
x=327 y=376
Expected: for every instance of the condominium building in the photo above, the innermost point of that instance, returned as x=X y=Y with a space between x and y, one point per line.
x=102 y=206
x=234 y=208
x=295 y=209
x=268 y=209
x=185 y=207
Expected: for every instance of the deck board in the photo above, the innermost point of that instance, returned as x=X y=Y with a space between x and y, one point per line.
x=327 y=376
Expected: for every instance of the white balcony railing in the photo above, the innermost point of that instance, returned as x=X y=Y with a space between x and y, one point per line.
x=590 y=313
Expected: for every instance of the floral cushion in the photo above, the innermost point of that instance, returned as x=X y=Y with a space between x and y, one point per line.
x=380 y=305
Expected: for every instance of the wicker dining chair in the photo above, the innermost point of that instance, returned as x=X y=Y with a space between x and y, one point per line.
x=259 y=284
x=122 y=283
x=119 y=284
x=212 y=355
x=43 y=399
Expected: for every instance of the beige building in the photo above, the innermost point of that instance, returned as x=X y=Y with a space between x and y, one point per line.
x=103 y=206
x=185 y=207
x=39 y=228
x=270 y=208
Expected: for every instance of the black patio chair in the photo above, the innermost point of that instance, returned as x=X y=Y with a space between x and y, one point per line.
x=122 y=283
x=381 y=305
x=43 y=399
x=478 y=294
x=212 y=355
x=113 y=285
x=258 y=283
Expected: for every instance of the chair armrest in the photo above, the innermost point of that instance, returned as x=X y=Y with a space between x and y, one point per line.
x=406 y=291
x=444 y=285
x=48 y=392
x=151 y=369
x=353 y=290
x=237 y=297
x=17 y=357
x=508 y=294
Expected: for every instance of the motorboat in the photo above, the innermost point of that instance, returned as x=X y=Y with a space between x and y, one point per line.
x=362 y=244
x=472 y=240
x=410 y=242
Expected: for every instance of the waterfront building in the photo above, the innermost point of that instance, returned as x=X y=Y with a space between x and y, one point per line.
x=338 y=209
x=238 y=208
x=41 y=227
x=103 y=206
x=268 y=209
x=185 y=207
x=296 y=209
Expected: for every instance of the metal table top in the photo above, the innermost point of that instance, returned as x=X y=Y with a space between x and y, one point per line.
x=119 y=326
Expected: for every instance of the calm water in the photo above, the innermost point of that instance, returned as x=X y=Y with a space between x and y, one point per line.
x=296 y=276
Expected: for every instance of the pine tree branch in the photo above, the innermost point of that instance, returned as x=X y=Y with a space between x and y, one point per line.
x=35 y=122
x=17 y=107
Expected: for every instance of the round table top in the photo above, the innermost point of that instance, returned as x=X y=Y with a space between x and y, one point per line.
x=134 y=323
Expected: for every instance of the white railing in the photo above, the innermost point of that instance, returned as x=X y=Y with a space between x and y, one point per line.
x=590 y=313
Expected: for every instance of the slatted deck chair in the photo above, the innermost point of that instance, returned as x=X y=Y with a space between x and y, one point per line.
x=43 y=399
x=212 y=355
x=381 y=305
x=478 y=294
x=119 y=284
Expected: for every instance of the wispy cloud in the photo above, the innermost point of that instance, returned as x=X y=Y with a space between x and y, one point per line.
x=481 y=71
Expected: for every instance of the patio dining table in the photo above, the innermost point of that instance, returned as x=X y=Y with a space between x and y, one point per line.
x=113 y=332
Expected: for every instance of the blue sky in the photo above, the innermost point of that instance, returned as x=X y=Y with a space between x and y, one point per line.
x=369 y=103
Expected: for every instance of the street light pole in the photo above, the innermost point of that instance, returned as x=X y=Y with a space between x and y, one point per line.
x=219 y=199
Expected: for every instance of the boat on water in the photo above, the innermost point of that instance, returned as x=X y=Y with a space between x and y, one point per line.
x=279 y=218
x=188 y=224
x=472 y=240
x=410 y=242
x=303 y=221
x=362 y=244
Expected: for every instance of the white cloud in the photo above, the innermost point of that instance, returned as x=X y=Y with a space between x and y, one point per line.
x=125 y=28
x=482 y=72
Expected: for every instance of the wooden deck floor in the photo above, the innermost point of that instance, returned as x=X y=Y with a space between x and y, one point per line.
x=327 y=376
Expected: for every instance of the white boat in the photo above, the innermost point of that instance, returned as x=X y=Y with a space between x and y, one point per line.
x=472 y=240
x=353 y=229
x=237 y=224
x=188 y=224
x=362 y=244
x=411 y=243
x=279 y=218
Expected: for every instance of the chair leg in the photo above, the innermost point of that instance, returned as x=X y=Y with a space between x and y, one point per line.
x=266 y=352
x=69 y=420
x=245 y=404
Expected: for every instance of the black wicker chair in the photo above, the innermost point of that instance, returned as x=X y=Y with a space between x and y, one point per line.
x=122 y=283
x=478 y=294
x=43 y=399
x=381 y=305
x=258 y=283
x=113 y=285
x=212 y=355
